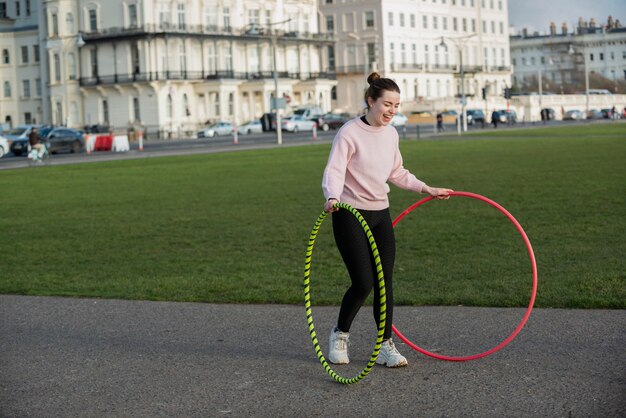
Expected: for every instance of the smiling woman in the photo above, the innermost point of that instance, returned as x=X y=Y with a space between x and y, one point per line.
x=365 y=155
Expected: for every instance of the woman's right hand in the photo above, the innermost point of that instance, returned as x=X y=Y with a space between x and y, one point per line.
x=329 y=205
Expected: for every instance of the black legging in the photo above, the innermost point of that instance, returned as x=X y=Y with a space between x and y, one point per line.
x=357 y=256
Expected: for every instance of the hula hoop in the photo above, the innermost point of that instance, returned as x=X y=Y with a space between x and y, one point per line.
x=381 y=286
x=532 y=297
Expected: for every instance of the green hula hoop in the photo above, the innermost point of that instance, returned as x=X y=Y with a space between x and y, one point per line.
x=381 y=285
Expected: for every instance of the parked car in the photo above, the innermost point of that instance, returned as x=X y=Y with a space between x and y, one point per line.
x=507 y=116
x=219 y=128
x=594 y=114
x=574 y=114
x=333 y=121
x=4 y=146
x=296 y=123
x=475 y=116
x=253 y=126
x=399 y=120
x=62 y=139
x=18 y=137
x=97 y=129
x=314 y=113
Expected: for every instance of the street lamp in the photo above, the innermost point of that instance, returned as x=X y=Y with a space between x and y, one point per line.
x=279 y=133
x=460 y=45
x=572 y=51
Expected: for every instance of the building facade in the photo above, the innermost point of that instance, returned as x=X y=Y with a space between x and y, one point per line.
x=426 y=46
x=563 y=56
x=172 y=66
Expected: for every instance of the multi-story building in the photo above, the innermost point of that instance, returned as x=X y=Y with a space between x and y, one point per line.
x=169 y=65
x=20 y=67
x=427 y=46
x=564 y=57
x=174 y=65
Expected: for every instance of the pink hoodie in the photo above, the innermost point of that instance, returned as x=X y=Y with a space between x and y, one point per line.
x=361 y=161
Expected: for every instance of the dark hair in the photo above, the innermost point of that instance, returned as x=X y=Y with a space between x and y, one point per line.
x=378 y=85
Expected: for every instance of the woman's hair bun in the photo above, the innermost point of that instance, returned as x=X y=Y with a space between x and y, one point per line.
x=373 y=77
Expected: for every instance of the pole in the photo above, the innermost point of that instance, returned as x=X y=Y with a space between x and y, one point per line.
x=540 y=84
x=463 y=108
x=279 y=133
x=586 y=82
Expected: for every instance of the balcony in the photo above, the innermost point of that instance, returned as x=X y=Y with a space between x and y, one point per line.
x=151 y=30
x=115 y=79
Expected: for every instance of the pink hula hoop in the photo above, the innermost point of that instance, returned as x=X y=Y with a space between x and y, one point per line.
x=532 y=297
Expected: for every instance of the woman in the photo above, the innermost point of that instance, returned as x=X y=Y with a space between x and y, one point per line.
x=363 y=157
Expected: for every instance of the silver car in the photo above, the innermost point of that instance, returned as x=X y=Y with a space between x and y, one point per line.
x=219 y=128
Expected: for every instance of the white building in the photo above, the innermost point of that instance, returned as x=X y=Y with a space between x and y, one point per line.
x=168 y=65
x=20 y=69
x=402 y=39
x=564 y=57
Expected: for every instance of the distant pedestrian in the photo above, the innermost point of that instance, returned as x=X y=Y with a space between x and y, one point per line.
x=494 y=118
x=440 y=122
x=544 y=115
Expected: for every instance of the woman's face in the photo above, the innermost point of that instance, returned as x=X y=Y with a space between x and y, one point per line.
x=383 y=109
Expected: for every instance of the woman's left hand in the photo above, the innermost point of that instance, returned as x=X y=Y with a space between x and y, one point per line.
x=439 y=192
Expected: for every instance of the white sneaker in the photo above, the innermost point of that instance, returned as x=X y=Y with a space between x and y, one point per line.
x=338 y=347
x=390 y=356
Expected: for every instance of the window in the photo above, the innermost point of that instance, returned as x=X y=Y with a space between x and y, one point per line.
x=414 y=53
x=3 y=10
x=57 y=68
x=93 y=59
x=390 y=18
x=69 y=23
x=28 y=10
x=501 y=28
x=24 y=50
x=392 y=53
x=402 y=54
x=6 y=59
x=93 y=20
x=401 y=20
x=369 y=19
x=330 y=24
x=186 y=105
x=231 y=104
x=164 y=15
x=105 y=111
x=36 y=53
x=217 y=104
x=454 y=24
x=254 y=17
x=71 y=66
x=18 y=10
x=132 y=15
x=181 y=16
x=136 y=113
x=473 y=25
x=331 y=58
x=7 y=89
x=445 y=23
x=26 y=88
x=226 y=17
x=182 y=57
x=38 y=87
x=28 y=118
x=54 y=21
x=435 y=22
x=464 y=25
x=412 y=20
x=425 y=22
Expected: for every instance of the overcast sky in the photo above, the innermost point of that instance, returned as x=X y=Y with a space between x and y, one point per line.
x=536 y=15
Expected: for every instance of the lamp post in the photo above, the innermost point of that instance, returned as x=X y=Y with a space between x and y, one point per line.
x=572 y=51
x=279 y=133
x=460 y=44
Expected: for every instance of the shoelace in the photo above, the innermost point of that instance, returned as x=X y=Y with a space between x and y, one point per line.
x=341 y=343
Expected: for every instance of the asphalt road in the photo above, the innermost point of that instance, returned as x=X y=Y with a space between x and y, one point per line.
x=65 y=357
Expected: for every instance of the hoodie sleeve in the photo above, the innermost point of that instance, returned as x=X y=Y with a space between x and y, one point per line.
x=335 y=173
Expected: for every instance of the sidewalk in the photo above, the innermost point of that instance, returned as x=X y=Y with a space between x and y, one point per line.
x=64 y=357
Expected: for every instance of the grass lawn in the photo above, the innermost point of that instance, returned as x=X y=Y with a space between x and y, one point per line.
x=233 y=227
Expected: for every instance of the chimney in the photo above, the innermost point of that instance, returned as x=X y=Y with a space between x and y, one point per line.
x=581 y=23
x=525 y=32
x=609 y=22
x=564 y=28
x=592 y=22
x=552 y=29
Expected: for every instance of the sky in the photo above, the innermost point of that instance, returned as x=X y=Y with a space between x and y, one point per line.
x=536 y=15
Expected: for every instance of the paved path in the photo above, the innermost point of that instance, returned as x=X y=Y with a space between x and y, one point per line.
x=63 y=357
